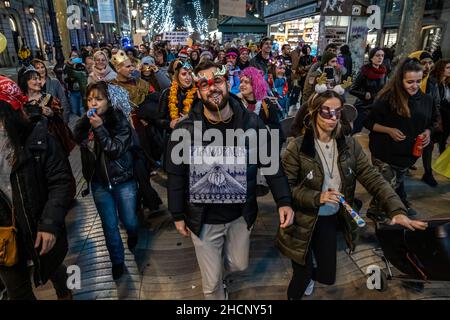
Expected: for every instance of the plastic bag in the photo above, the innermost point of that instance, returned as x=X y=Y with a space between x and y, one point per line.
x=442 y=164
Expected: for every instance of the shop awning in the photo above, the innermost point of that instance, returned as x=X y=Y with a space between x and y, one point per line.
x=250 y=24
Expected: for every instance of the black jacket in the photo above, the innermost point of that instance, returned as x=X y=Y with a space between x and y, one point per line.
x=243 y=65
x=382 y=146
x=110 y=161
x=260 y=63
x=363 y=84
x=43 y=189
x=348 y=64
x=178 y=175
x=164 y=115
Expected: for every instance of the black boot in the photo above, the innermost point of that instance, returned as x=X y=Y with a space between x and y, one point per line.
x=117 y=271
x=132 y=242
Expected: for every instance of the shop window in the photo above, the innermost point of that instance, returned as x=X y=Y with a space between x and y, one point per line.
x=36 y=33
x=434 y=5
x=336 y=21
x=432 y=38
x=394 y=6
x=390 y=37
x=12 y=24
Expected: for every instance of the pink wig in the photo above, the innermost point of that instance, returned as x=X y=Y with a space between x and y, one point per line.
x=259 y=85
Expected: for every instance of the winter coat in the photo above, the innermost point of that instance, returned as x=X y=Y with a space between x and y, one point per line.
x=76 y=79
x=260 y=63
x=382 y=146
x=106 y=152
x=55 y=88
x=305 y=173
x=43 y=189
x=56 y=125
x=178 y=175
x=368 y=80
x=164 y=120
x=108 y=75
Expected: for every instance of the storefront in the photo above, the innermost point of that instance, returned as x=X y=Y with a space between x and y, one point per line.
x=336 y=29
x=247 y=29
x=293 y=31
x=432 y=36
x=390 y=37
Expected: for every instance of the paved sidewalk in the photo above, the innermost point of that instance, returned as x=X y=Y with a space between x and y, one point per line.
x=166 y=268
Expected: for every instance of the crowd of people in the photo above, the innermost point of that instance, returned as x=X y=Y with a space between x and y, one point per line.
x=131 y=103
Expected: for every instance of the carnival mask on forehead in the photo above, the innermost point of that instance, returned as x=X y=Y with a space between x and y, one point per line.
x=185 y=65
x=218 y=73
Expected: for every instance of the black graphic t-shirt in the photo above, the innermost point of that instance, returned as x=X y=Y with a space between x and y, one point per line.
x=220 y=188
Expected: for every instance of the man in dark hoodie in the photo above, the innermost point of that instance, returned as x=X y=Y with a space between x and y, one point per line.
x=215 y=202
x=262 y=59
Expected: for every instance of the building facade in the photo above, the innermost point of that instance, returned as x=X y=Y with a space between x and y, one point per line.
x=27 y=22
x=24 y=23
x=287 y=17
x=435 y=25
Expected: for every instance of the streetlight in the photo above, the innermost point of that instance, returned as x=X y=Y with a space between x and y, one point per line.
x=134 y=13
x=86 y=33
x=7 y=4
x=31 y=9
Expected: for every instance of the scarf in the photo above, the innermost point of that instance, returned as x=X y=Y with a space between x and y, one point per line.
x=106 y=74
x=373 y=73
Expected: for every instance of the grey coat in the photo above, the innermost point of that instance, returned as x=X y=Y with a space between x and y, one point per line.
x=55 y=88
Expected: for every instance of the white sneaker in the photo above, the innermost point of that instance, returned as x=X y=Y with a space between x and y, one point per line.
x=309 y=290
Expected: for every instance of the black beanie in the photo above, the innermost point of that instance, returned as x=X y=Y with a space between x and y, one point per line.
x=425 y=55
x=327 y=56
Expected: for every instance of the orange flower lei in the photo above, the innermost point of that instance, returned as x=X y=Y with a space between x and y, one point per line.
x=173 y=100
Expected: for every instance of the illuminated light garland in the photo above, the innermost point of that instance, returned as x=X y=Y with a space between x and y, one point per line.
x=160 y=17
x=201 y=24
x=187 y=24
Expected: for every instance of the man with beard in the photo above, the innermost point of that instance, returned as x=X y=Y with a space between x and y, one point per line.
x=214 y=202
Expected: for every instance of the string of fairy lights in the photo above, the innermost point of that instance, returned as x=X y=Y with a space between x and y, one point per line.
x=159 y=15
x=188 y=24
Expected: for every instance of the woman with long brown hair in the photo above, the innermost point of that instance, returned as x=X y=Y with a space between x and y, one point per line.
x=441 y=73
x=400 y=116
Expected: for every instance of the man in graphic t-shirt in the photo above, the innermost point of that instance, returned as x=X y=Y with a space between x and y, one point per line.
x=212 y=198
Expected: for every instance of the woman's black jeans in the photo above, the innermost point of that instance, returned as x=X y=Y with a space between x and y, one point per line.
x=17 y=280
x=323 y=245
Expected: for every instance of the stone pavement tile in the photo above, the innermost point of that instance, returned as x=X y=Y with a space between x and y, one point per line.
x=161 y=294
x=272 y=292
x=165 y=266
x=174 y=285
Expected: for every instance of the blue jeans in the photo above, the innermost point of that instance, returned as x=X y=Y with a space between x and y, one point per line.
x=76 y=102
x=112 y=205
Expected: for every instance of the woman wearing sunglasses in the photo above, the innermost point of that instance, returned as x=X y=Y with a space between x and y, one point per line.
x=321 y=165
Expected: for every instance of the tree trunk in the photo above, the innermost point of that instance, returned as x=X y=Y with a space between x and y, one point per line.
x=409 y=35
